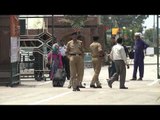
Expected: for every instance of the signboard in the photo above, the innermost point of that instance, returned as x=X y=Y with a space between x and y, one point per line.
x=150 y=51
x=115 y=31
x=14 y=49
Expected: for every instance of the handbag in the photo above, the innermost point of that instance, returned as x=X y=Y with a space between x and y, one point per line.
x=131 y=54
x=49 y=63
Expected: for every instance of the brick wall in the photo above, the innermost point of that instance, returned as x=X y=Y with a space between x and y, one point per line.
x=63 y=31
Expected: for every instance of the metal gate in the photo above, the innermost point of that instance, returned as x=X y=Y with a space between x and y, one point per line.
x=34 y=43
x=158 y=74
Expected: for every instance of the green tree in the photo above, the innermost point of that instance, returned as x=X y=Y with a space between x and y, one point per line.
x=148 y=35
x=133 y=22
x=76 y=21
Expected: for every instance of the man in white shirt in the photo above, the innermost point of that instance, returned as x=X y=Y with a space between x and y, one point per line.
x=118 y=55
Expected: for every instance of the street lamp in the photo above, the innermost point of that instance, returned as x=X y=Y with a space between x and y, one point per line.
x=124 y=28
x=110 y=18
x=158 y=75
x=131 y=33
x=154 y=30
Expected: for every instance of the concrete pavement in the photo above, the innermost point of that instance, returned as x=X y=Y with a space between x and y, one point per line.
x=31 y=92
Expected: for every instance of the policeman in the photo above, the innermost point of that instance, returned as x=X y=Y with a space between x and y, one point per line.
x=96 y=53
x=139 y=48
x=75 y=53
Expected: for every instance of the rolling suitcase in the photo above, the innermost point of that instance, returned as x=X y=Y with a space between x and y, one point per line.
x=59 y=78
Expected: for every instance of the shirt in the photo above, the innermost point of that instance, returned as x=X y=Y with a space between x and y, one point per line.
x=118 y=53
x=55 y=56
x=95 y=48
x=140 y=45
x=62 y=50
x=74 y=47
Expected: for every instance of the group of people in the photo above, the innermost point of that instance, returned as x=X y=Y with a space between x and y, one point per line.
x=119 y=58
x=57 y=58
x=71 y=56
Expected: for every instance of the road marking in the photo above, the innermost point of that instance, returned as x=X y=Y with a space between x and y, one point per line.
x=50 y=98
x=155 y=81
x=45 y=83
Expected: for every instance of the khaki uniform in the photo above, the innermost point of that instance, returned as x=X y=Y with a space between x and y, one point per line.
x=95 y=48
x=75 y=54
x=82 y=73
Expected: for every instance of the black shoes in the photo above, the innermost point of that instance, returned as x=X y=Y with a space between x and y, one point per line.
x=123 y=88
x=140 y=79
x=99 y=86
x=69 y=86
x=81 y=86
x=76 y=89
x=93 y=86
x=134 y=79
x=109 y=83
x=39 y=78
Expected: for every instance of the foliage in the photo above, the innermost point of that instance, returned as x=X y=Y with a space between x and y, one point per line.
x=133 y=22
x=150 y=34
x=76 y=21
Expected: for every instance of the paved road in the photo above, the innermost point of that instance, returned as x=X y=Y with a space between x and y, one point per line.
x=31 y=92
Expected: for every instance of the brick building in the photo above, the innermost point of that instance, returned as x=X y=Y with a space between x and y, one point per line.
x=63 y=30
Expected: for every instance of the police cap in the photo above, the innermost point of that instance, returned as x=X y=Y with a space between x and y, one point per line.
x=74 y=33
x=95 y=37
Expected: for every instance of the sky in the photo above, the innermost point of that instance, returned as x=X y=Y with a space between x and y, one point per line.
x=149 y=22
x=35 y=23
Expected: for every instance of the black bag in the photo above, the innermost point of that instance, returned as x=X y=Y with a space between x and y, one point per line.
x=131 y=54
x=48 y=66
x=59 y=78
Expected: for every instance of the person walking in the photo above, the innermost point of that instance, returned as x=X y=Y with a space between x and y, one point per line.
x=55 y=60
x=112 y=68
x=97 y=55
x=139 y=48
x=118 y=55
x=75 y=52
